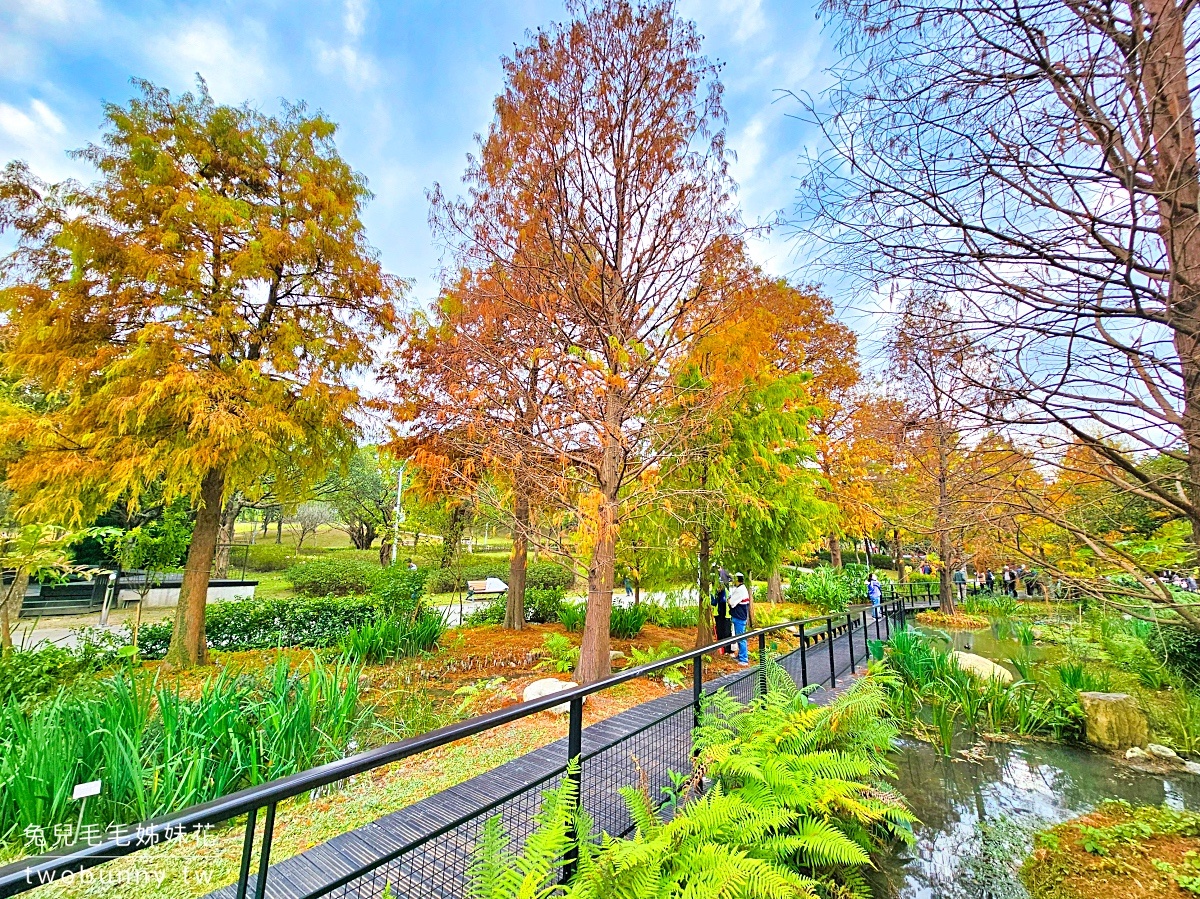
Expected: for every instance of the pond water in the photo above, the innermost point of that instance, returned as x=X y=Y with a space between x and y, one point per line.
x=1018 y=789
x=977 y=818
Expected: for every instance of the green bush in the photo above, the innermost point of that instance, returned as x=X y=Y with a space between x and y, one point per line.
x=547 y=575
x=829 y=589
x=333 y=577
x=269 y=623
x=34 y=673
x=449 y=580
x=627 y=621
x=266 y=556
x=399 y=590
x=388 y=638
x=543 y=604
x=1179 y=647
x=676 y=612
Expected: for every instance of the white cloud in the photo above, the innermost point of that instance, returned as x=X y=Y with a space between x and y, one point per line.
x=231 y=64
x=37 y=135
x=356 y=68
x=354 y=17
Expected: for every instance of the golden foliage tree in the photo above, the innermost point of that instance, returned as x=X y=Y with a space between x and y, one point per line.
x=601 y=207
x=197 y=312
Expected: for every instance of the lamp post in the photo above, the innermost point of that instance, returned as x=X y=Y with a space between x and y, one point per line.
x=399 y=517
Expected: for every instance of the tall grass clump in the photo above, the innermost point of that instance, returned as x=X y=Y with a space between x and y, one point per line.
x=829 y=589
x=391 y=638
x=156 y=750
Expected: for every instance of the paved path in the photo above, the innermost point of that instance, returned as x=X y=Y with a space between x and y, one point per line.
x=424 y=849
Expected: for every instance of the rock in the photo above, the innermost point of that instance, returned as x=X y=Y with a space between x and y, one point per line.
x=614 y=654
x=985 y=669
x=1113 y=721
x=1135 y=752
x=1162 y=752
x=547 y=686
x=1191 y=767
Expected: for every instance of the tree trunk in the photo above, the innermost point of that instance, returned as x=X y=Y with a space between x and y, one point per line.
x=704 y=616
x=594 y=660
x=514 y=609
x=385 y=552
x=455 y=528
x=189 y=645
x=279 y=528
x=1177 y=187
x=229 y=515
x=946 y=602
x=775 y=586
x=898 y=557
x=835 y=551
x=12 y=598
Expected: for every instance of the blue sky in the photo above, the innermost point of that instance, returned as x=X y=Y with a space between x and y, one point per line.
x=410 y=84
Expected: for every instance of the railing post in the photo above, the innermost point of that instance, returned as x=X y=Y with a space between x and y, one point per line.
x=574 y=774
x=247 y=852
x=887 y=621
x=803 y=658
x=697 y=687
x=866 y=635
x=829 y=643
x=264 y=860
x=850 y=639
x=762 y=664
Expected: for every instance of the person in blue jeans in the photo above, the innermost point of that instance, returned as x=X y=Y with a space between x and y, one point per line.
x=739 y=612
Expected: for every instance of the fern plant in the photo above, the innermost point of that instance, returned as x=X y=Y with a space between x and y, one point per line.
x=797 y=807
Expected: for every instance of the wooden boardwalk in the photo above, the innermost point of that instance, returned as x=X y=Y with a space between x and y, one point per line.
x=424 y=849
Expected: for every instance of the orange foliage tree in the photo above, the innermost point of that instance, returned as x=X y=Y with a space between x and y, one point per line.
x=196 y=314
x=599 y=211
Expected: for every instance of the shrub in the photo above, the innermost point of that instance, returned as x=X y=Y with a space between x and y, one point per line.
x=333 y=577
x=389 y=638
x=267 y=556
x=829 y=589
x=399 y=590
x=269 y=623
x=492 y=613
x=627 y=621
x=34 y=673
x=1180 y=649
x=547 y=575
x=572 y=615
x=677 y=612
x=449 y=580
x=543 y=604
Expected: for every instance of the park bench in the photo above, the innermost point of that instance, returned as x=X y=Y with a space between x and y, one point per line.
x=487 y=587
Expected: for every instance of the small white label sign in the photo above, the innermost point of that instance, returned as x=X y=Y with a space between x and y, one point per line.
x=83 y=791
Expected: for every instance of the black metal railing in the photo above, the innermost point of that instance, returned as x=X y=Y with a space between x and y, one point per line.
x=818 y=634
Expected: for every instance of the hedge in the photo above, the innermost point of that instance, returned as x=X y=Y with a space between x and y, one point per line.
x=333 y=577
x=269 y=623
x=878 y=560
x=539 y=576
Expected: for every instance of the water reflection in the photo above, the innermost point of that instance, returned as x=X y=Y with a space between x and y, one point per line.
x=1030 y=785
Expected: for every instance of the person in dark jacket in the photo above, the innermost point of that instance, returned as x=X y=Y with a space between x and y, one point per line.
x=721 y=620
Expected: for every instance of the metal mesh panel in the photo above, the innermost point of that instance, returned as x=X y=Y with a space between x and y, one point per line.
x=644 y=758
x=437 y=868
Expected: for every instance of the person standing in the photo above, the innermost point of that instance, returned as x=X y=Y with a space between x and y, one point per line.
x=720 y=603
x=874 y=594
x=989 y=581
x=960 y=583
x=739 y=613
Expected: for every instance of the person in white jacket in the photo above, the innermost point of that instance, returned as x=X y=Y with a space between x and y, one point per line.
x=739 y=611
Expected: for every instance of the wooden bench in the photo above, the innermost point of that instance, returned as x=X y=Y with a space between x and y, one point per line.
x=491 y=586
